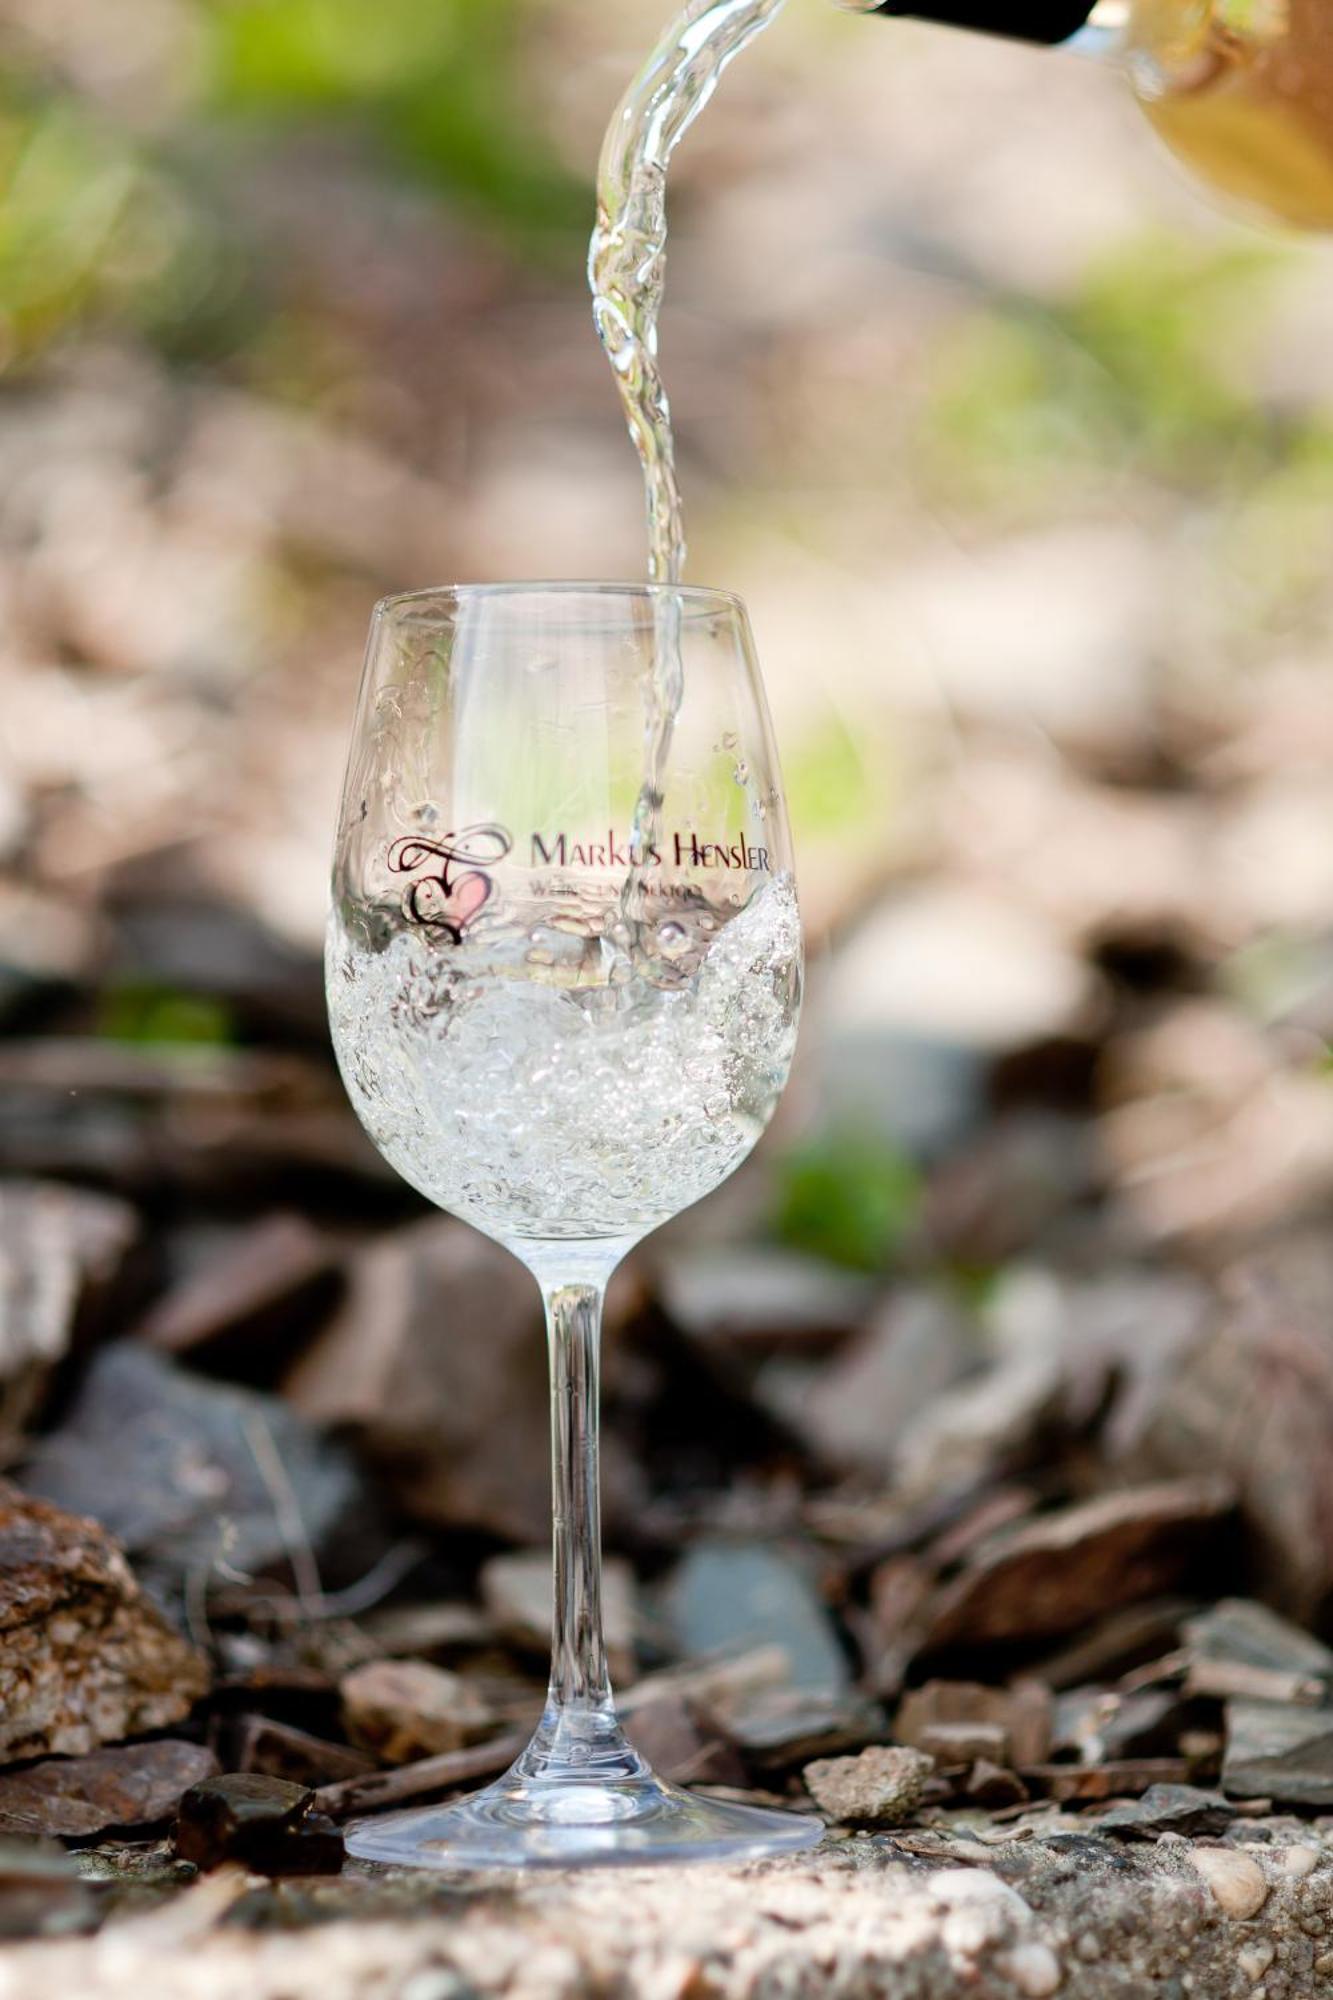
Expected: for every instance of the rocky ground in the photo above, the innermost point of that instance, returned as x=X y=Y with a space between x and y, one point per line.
x=968 y=1459
x=1043 y=1907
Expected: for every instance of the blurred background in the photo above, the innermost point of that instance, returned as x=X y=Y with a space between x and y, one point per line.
x=1022 y=456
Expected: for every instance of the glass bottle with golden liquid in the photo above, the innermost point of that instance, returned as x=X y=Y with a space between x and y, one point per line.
x=1241 y=90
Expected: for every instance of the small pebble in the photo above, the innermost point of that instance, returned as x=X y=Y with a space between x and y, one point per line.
x=405 y=1709
x=1296 y=1862
x=882 y=1786
x=1237 y=1883
x=1034 y=1969
x=1255 y=1959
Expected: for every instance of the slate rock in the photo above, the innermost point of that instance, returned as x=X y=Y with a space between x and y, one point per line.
x=41 y=1892
x=77 y=1797
x=681 y=1745
x=1100 y=1725
x=266 y=1824
x=1062 y=1570
x=437 y=1350
x=995 y=1786
x=424 y=1630
x=761 y=1296
x=1167 y=1809
x=1267 y=1353
x=952 y=1743
x=732 y=1596
x=883 y=1786
x=780 y=1728
x=1280 y=1751
x=518 y=1594
x=1245 y=1633
x=172 y=930
x=259 y=1745
x=251 y=1303
x=1016 y=1721
x=854 y=1410
x=187 y=1473
x=62 y=1254
x=85 y=1657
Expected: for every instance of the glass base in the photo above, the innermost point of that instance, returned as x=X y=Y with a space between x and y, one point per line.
x=519 y=1823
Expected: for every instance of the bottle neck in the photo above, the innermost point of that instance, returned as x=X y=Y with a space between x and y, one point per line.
x=1047 y=21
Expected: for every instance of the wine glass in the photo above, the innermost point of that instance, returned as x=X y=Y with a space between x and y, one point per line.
x=564 y=974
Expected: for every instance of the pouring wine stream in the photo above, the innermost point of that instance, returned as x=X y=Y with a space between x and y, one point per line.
x=627 y=274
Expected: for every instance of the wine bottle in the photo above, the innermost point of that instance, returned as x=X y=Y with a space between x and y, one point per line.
x=1241 y=90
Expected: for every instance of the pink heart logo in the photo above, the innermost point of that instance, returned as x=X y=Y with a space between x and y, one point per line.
x=444 y=901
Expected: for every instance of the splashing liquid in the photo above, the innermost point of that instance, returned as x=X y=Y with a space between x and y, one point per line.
x=627 y=274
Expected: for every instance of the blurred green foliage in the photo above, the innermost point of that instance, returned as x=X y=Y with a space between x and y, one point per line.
x=157 y=1015
x=127 y=221
x=830 y=785
x=1142 y=364
x=88 y=228
x=437 y=88
x=847 y=1197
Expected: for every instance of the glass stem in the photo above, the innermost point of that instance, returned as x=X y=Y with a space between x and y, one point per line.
x=579 y=1737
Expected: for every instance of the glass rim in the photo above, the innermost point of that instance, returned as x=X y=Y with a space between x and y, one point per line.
x=699 y=598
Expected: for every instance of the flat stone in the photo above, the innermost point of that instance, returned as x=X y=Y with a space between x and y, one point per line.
x=997 y=1416
x=77 y=1797
x=995 y=1786
x=190 y=1474
x=779 y=1728
x=265 y=1823
x=251 y=1304
x=1167 y=1809
x=957 y=963
x=517 y=1592
x=1063 y=1569
x=404 y=1710
x=230 y=1123
x=990 y=1202
x=1279 y=1751
x=964 y=1742
x=1245 y=1633
x=85 y=1658
x=855 y=1409
x=425 y=1629
x=681 y=1745
x=763 y=1297
x=1112 y=1646
x=1015 y=1722
x=279 y=1750
x=1123 y=1778
x=1267 y=1352
x=735 y=1596
x=1237 y=1881
x=1101 y=1725
x=41 y=1892
x=62 y=1253
x=436 y=1351
x=883 y=1786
